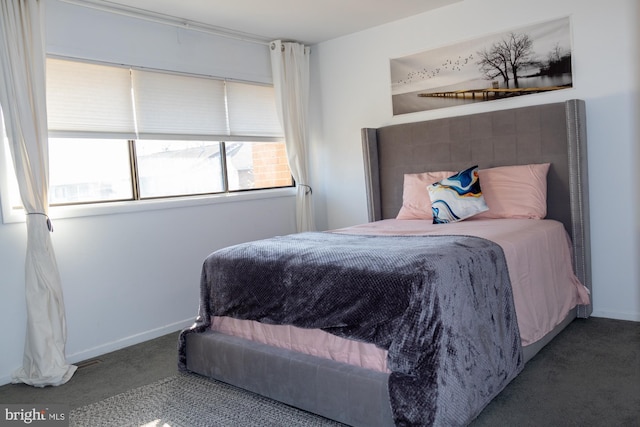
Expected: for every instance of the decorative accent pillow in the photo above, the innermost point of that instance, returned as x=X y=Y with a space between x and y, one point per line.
x=457 y=197
x=416 y=203
x=515 y=191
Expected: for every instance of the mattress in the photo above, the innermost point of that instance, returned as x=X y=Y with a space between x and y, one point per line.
x=538 y=255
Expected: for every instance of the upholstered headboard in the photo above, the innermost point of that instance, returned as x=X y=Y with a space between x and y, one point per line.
x=551 y=133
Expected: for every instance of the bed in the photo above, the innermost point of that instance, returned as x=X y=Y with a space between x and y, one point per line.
x=368 y=392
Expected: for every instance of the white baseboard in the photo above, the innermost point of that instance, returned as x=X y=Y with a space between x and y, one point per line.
x=117 y=345
x=128 y=341
x=617 y=315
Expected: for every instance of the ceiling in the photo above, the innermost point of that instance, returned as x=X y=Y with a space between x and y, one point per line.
x=305 y=21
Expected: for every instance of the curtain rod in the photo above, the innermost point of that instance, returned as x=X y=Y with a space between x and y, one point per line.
x=273 y=47
x=159 y=18
x=157 y=70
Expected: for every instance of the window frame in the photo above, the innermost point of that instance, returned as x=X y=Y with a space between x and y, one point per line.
x=16 y=215
x=11 y=214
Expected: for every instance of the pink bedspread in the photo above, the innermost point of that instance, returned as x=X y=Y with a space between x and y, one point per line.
x=538 y=254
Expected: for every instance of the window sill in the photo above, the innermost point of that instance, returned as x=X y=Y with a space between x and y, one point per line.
x=110 y=208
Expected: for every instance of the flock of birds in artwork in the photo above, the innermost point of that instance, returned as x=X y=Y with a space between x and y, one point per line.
x=447 y=65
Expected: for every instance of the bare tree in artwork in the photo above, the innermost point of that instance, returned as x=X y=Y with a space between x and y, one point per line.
x=558 y=62
x=509 y=55
x=494 y=64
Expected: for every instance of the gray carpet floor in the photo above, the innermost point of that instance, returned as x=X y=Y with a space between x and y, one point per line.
x=588 y=376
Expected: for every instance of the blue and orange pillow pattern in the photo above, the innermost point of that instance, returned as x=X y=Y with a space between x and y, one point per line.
x=457 y=197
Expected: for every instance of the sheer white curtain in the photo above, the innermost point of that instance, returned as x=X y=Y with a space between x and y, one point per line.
x=290 y=68
x=23 y=100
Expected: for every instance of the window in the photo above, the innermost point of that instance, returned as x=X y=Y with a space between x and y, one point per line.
x=118 y=134
x=173 y=168
x=88 y=170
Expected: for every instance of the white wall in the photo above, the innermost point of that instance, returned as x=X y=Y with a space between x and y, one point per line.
x=129 y=277
x=351 y=90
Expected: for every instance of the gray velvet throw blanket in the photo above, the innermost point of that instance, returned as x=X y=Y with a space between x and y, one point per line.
x=441 y=305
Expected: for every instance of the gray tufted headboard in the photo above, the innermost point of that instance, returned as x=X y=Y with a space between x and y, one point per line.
x=551 y=133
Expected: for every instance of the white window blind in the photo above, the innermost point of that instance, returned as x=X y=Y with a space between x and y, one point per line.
x=252 y=110
x=177 y=104
x=88 y=97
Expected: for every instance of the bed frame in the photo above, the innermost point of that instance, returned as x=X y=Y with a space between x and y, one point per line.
x=553 y=133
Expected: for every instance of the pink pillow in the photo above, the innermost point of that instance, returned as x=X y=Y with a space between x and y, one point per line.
x=416 y=203
x=515 y=191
